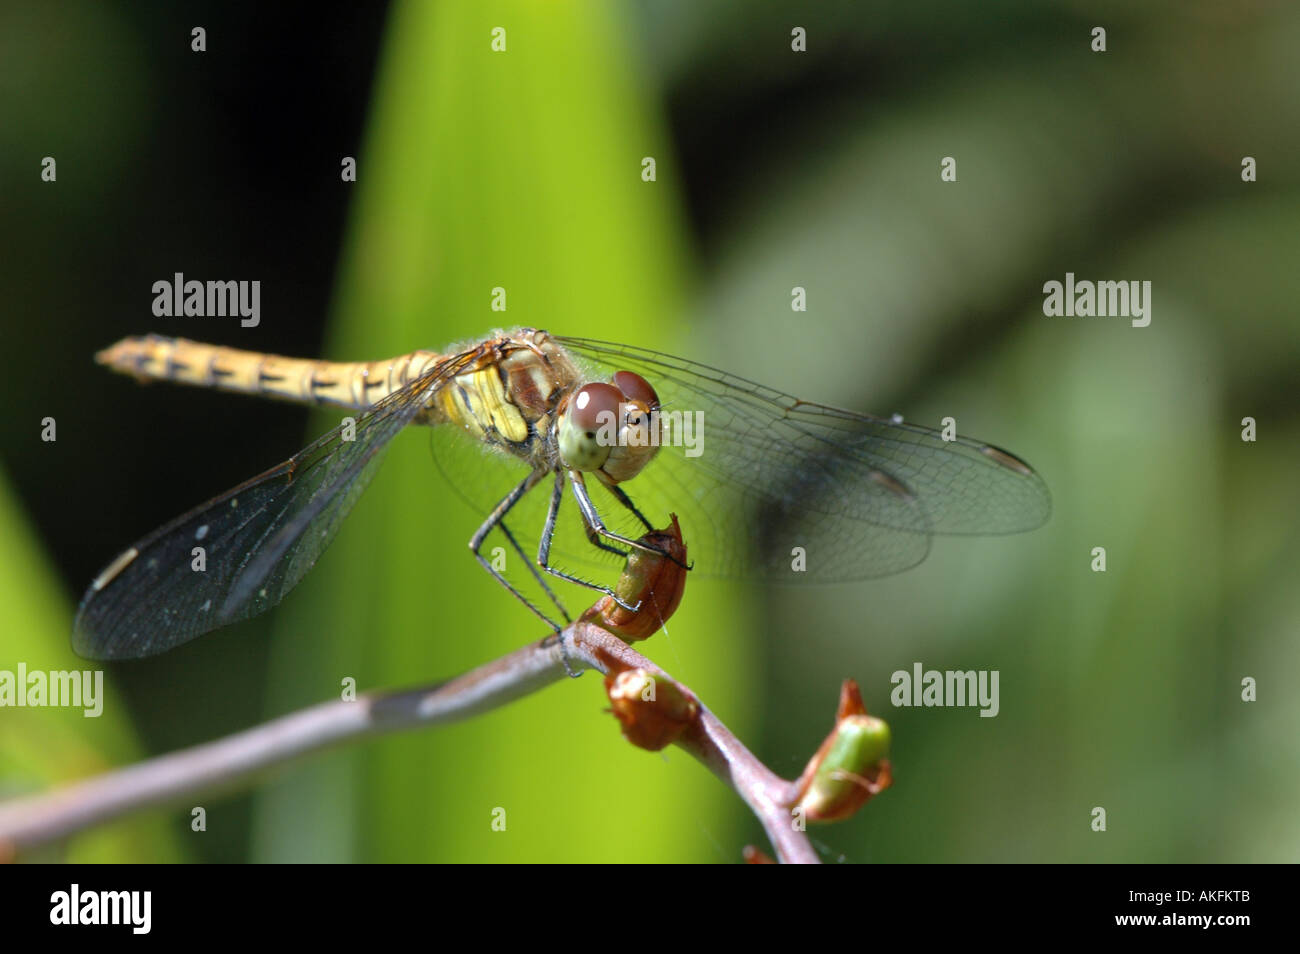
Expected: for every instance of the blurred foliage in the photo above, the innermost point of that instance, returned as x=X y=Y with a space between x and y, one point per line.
x=1119 y=690
x=42 y=747
x=480 y=169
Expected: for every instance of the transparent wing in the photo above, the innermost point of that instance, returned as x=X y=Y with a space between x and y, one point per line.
x=259 y=540
x=754 y=473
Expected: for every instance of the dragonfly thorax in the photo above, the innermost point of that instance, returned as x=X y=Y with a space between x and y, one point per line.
x=506 y=396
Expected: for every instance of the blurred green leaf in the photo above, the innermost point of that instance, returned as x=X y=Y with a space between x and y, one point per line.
x=41 y=748
x=519 y=169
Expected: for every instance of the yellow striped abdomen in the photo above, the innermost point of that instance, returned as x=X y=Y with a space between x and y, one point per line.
x=355 y=384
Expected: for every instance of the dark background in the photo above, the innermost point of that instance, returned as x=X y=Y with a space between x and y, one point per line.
x=1124 y=164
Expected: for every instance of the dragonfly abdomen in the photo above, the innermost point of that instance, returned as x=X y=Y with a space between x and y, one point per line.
x=354 y=384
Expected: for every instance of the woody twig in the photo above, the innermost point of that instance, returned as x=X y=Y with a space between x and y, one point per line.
x=654 y=710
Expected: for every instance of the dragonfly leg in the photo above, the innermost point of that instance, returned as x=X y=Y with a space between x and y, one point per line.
x=541 y=580
x=596 y=526
x=626 y=501
x=544 y=547
x=592 y=536
x=493 y=520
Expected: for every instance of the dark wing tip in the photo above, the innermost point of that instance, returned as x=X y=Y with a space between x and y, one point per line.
x=1042 y=498
x=1008 y=460
x=87 y=645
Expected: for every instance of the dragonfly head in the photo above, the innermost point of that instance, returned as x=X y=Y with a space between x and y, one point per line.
x=610 y=428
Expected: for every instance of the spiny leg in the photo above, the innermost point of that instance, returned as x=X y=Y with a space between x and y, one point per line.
x=494 y=519
x=596 y=526
x=541 y=580
x=626 y=501
x=592 y=536
x=544 y=547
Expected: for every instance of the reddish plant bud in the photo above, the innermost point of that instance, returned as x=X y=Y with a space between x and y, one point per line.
x=654 y=711
x=850 y=767
x=652 y=582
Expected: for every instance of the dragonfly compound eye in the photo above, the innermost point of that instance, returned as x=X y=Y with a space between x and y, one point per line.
x=638 y=430
x=636 y=388
x=589 y=427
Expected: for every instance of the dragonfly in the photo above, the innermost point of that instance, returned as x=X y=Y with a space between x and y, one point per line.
x=768 y=487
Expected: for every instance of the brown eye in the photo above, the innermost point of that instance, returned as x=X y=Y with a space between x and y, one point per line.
x=636 y=388
x=594 y=405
